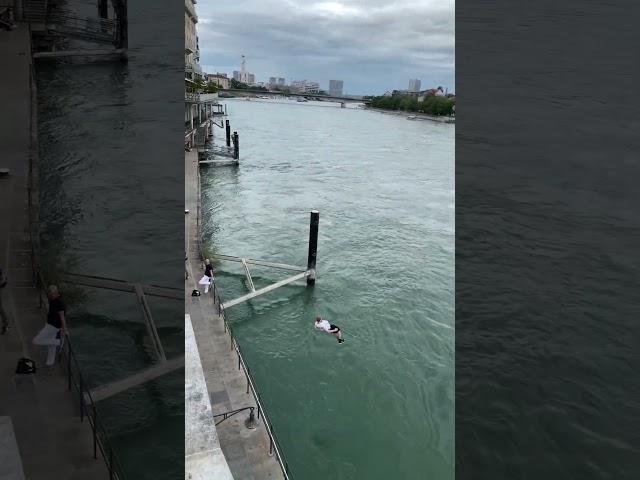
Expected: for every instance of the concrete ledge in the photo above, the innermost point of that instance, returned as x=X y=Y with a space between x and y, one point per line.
x=203 y=457
x=10 y=463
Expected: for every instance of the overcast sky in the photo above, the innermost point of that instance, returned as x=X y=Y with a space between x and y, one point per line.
x=373 y=45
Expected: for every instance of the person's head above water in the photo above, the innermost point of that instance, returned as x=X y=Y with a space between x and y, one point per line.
x=318 y=318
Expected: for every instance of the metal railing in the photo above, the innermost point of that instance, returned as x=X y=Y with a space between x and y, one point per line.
x=74 y=376
x=230 y=414
x=92 y=28
x=191 y=96
x=87 y=406
x=274 y=445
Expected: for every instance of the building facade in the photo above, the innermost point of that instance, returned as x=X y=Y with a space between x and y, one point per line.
x=251 y=78
x=281 y=82
x=192 y=68
x=305 y=86
x=414 y=85
x=335 y=87
x=219 y=79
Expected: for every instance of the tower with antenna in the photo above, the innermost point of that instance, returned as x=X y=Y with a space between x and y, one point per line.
x=243 y=70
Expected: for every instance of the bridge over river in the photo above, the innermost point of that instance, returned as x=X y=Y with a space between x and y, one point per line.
x=259 y=93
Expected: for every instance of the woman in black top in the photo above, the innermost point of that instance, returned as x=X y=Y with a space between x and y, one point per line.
x=208 y=268
x=50 y=335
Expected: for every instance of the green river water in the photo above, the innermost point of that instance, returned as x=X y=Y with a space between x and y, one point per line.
x=379 y=406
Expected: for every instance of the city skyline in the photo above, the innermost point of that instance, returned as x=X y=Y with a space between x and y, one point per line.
x=373 y=47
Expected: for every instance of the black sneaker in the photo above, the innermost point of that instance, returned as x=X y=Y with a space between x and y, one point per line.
x=341 y=340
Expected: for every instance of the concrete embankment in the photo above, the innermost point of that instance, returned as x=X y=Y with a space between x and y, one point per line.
x=45 y=423
x=417 y=115
x=246 y=450
x=202 y=453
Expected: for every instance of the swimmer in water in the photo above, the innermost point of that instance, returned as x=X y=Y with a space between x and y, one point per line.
x=322 y=324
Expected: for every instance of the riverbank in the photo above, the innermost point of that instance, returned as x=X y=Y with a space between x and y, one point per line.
x=245 y=451
x=45 y=419
x=417 y=115
x=385 y=275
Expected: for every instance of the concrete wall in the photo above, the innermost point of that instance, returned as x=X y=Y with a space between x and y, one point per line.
x=203 y=457
x=10 y=462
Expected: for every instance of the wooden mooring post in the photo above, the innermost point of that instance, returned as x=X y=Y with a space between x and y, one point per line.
x=228 y=127
x=309 y=273
x=236 y=146
x=313 y=246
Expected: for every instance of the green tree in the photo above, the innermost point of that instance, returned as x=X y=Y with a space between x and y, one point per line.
x=235 y=84
x=199 y=84
x=211 y=88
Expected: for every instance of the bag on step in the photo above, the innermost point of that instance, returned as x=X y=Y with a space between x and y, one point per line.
x=26 y=366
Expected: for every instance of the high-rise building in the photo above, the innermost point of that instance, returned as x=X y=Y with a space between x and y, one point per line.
x=281 y=82
x=236 y=75
x=414 y=85
x=272 y=81
x=335 y=87
x=251 y=78
x=305 y=86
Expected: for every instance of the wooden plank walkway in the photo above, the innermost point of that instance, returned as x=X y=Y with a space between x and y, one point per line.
x=262 y=291
x=144 y=376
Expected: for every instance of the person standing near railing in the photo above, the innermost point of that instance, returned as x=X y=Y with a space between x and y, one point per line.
x=207 y=280
x=53 y=332
x=4 y=329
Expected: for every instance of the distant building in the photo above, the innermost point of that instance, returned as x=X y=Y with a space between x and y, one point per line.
x=236 y=75
x=406 y=93
x=251 y=78
x=305 y=86
x=335 y=87
x=219 y=79
x=281 y=82
x=414 y=85
x=432 y=92
x=272 y=81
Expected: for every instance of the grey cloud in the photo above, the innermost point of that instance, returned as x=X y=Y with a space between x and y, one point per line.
x=372 y=45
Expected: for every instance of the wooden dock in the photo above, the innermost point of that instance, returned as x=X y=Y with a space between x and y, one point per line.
x=308 y=272
x=163 y=365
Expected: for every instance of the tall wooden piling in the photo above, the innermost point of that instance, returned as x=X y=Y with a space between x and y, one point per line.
x=103 y=9
x=228 y=133
x=313 y=246
x=236 y=146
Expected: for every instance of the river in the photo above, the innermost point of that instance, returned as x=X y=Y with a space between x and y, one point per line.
x=111 y=173
x=380 y=405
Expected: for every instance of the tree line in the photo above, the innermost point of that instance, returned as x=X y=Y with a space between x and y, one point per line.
x=433 y=105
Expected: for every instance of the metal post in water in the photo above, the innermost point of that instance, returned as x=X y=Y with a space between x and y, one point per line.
x=95 y=428
x=228 y=127
x=236 y=146
x=313 y=246
x=103 y=9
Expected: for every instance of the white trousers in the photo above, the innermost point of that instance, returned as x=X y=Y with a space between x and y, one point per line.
x=47 y=338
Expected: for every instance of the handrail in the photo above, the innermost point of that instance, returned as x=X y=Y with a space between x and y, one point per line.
x=231 y=413
x=274 y=445
x=100 y=439
x=87 y=406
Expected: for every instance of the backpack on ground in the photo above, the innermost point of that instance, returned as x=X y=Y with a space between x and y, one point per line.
x=25 y=366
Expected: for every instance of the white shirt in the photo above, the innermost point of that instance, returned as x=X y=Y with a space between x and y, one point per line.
x=323 y=325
